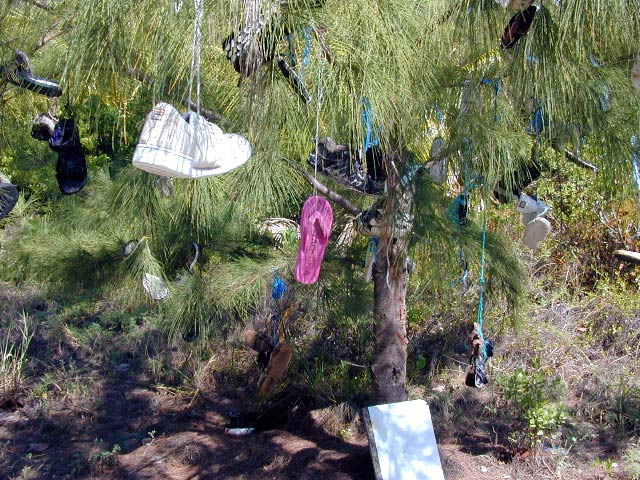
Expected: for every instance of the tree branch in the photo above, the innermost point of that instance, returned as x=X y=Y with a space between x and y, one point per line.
x=40 y=4
x=326 y=191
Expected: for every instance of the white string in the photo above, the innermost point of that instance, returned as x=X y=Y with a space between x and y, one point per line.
x=177 y=6
x=195 y=53
x=318 y=108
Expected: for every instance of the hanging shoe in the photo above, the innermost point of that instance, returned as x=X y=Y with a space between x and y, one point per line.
x=340 y=164
x=535 y=232
x=8 y=196
x=173 y=145
x=43 y=126
x=155 y=287
x=518 y=27
x=541 y=209
x=369 y=222
x=71 y=168
x=219 y=152
x=21 y=76
x=438 y=162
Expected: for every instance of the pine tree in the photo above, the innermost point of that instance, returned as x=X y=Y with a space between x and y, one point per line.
x=427 y=69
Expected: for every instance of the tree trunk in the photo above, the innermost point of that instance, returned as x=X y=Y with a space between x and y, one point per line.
x=390 y=310
x=390 y=276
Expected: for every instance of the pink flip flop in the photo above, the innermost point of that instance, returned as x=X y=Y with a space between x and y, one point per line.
x=315 y=226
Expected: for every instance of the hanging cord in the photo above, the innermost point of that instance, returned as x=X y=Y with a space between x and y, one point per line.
x=307 y=51
x=195 y=52
x=318 y=109
x=481 y=281
x=635 y=161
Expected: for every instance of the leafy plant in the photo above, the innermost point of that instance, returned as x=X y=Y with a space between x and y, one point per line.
x=531 y=394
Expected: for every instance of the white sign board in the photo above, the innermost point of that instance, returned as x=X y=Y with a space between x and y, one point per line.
x=405 y=443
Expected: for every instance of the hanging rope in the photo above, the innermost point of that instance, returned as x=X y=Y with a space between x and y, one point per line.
x=318 y=109
x=481 y=281
x=198 y=6
x=635 y=161
x=306 y=54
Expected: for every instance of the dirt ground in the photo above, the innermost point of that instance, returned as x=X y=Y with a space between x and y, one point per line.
x=95 y=413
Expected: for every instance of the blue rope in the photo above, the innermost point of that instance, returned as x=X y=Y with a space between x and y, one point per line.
x=306 y=54
x=371 y=137
x=480 y=320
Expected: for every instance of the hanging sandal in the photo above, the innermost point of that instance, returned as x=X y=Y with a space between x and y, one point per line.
x=278 y=363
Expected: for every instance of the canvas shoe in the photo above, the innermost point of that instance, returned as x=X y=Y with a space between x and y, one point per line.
x=155 y=287
x=341 y=164
x=8 y=196
x=219 y=152
x=535 y=232
x=43 y=126
x=22 y=76
x=518 y=27
x=172 y=145
x=541 y=209
x=370 y=223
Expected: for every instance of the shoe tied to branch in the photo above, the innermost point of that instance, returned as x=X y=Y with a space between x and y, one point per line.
x=339 y=163
x=187 y=146
x=8 y=196
x=71 y=168
x=518 y=27
x=531 y=208
x=22 y=76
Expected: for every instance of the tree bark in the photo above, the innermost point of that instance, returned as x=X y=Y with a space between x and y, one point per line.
x=390 y=311
x=390 y=277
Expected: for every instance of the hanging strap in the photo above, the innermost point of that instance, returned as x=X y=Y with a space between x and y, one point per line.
x=635 y=161
x=198 y=6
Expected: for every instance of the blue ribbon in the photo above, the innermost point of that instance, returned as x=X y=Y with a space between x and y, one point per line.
x=278 y=288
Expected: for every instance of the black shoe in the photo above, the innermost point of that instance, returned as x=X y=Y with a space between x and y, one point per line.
x=518 y=27
x=71 y=169
x=8 y=196
x=22 y=77
x=341 y=164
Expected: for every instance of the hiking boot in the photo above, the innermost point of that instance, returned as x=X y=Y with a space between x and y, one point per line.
x=518 y=27
x=8 y=196
x=341 y=164
x=43 y=125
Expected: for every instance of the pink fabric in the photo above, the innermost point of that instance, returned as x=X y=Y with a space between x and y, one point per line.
x=315 y=226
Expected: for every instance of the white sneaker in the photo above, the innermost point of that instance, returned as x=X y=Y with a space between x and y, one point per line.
x=155 y=287
x=541 y=209
x=221 y=152
x=536 y=231
x=175 y=145
x=526 y=204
